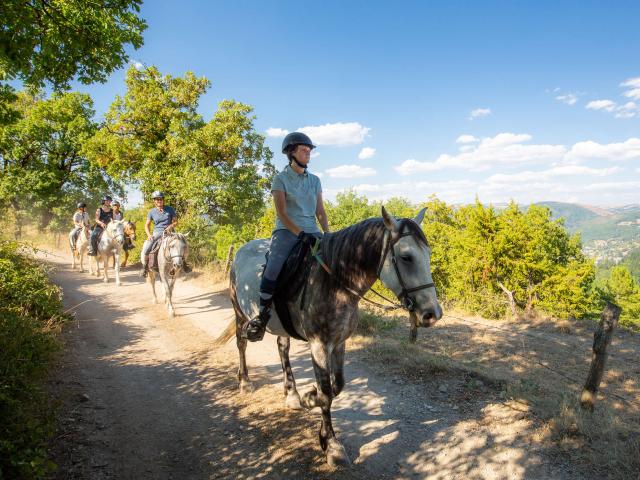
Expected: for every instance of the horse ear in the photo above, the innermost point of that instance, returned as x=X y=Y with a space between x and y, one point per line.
x=389 y=221
x=186 y=234
x=420 y=217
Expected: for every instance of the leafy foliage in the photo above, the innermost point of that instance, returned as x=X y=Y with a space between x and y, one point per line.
x=30 y=309
x=58 y=40
x=216 y=172
x=43 y=172
x=622 y=289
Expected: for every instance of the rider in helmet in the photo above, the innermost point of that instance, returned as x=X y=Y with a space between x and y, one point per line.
x=80 y=220
x=164 y=220
x=297 y=195
x=104 y=215
x=117 y=213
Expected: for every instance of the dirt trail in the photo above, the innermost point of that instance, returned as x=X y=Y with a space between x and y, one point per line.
x=147 y=397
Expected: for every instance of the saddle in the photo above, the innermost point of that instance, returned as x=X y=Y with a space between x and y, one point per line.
x=291 y=280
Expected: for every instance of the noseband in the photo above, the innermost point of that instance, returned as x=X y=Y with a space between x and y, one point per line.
x=408 y=303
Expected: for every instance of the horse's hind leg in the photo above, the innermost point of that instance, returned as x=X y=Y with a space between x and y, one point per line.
x=292 y=398
x=243 y=374
x=151 y=278
x=336 y=454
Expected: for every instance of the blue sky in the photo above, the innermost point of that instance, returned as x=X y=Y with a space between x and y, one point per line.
x=525 y=100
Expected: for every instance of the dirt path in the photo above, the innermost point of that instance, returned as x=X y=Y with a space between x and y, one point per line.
x=147 y=397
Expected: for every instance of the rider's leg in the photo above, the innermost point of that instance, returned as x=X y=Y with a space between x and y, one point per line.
x=282 y=242
x=72 y=238
x=146 y=248
x=93 y=244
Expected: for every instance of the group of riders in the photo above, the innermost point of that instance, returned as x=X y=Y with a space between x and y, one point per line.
x=297 y=195
x=162 y=216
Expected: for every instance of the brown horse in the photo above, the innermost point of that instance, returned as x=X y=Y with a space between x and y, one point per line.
x=324 y=311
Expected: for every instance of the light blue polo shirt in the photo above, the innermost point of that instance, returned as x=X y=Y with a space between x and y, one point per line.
x=301 y=197
x=161 y=219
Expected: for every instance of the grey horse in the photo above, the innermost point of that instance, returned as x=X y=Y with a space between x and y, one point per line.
x=110 y=245
x=171 y=257
x=395 y=251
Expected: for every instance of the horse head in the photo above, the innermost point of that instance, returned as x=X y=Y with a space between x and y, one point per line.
x=130 y=229
x=115 y=229
x=176 y=250
x=406 y=267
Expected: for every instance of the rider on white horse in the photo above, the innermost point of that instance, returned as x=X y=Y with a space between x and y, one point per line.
x=297 y=195
x=164 y=219
x=80 y=220
x=104 y=215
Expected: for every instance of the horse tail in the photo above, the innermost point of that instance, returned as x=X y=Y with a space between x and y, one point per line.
x=226 y=335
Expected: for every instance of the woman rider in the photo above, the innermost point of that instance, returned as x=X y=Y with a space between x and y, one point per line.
x=80 y=220
x=297 y=195
x=104 y=215
x=117 y=213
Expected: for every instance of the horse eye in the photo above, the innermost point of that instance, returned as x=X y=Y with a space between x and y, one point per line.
x=406 y=258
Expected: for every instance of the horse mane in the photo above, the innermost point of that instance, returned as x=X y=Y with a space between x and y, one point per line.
x=353 y=253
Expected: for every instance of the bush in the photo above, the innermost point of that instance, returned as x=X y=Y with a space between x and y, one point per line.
x=30 y=313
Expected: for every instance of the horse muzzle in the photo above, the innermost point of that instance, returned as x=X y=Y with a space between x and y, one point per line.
x=430 y=316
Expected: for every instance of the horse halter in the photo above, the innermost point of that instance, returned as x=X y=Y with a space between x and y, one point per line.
x=408 y=303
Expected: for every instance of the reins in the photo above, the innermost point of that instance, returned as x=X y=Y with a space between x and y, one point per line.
x=406 y=301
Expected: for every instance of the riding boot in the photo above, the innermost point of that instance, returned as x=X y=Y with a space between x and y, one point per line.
x=186 y=268
x=255 y=328
x=93 y=246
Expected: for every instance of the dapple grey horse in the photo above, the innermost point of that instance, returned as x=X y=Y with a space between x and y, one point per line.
x=82 y=245
x=110 y=245
x=171 y=256
x=394 y=251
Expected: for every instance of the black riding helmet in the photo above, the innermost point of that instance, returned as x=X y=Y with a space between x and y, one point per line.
x=296 y=138
x=81 y=205
x=106 y=198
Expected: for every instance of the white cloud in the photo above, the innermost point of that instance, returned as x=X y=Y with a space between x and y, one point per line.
x=607 y=105
x=315 y=154
x=465 y=138
x=276 y=132
x=633 y=85
x=628 y=110
x=505 y=149
x=589 y=150
x=136 y=64
x=366 y=152
x=479 y=112
x=337 y=134
x=350 y=171
x=569 y=98
x=552 y=173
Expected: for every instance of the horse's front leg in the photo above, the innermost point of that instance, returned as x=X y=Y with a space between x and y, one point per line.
x=322 y=396
x=81 y=255
x=116 y=267
x=292 y=398
x=168 y=290
x=126 y=257
x=97 y=257
x=73 y=261
x=105 y=268
x=151 y=278
x=337 y=369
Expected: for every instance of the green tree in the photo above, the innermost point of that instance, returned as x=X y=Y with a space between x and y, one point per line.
x=218 y=171
x=57 y=40
x=623 y=290
x=349 y=208
x=43 y=172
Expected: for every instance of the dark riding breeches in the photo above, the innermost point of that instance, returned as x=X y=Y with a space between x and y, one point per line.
x=95 y=236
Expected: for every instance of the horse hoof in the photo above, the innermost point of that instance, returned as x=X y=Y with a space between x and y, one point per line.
x=118 y=284
x=293 y=401
x=336 y=455
x=105 y=280
x=246 y=387
x=308 y=400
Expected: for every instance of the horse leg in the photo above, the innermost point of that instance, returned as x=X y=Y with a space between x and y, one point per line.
x=243 y=374
x=336 y=454
x=97 y=257
x=126 y=257
x=105 y=268
x=337 y=369
x=168 y=288
x=292 y=398
x=151 y=278
x=116 y=267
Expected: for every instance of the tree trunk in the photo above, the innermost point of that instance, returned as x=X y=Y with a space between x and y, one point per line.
x=601 y=340
x=229 y=259
x=509 y=294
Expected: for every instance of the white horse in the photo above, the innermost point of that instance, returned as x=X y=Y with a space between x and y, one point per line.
x=171 y=256
x=82 y=244
x=110 y=245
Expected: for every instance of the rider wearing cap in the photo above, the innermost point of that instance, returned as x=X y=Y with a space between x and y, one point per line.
x=80 y=220
x=117 y=213
x=104 y=215
x=297 y=195
x=164 y=220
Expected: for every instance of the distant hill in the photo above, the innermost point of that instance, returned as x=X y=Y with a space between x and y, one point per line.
x=574 y=215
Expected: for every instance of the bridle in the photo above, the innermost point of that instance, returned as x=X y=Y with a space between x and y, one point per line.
x=406 y=301
x=168 y=249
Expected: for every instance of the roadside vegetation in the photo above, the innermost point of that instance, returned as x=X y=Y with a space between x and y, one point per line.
x=30 y=317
